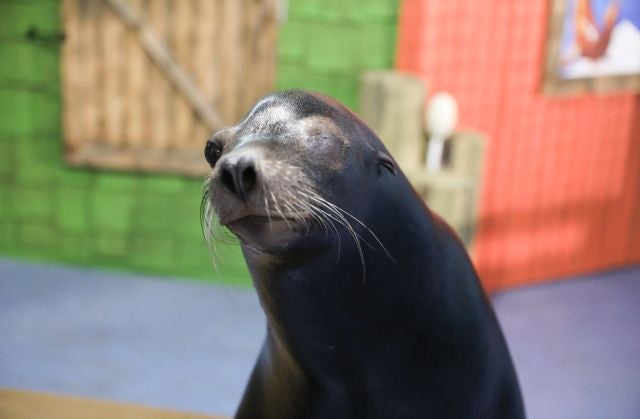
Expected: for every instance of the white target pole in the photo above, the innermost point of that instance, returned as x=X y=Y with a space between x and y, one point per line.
x=441 y=119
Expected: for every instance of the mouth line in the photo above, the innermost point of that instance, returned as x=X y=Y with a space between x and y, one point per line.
x=267 y=233
x=260 y=219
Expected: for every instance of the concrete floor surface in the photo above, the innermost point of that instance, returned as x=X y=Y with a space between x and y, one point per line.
x=191 y=346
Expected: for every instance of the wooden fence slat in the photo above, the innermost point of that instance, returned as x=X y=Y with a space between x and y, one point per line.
x=230 y=32
x=249 y=11
x=136 y=84
x=113 y=78
x=268 y=39
x=182 y=114
x=86 y=66
x=258 y=38
x=70 y=75
x=216 y=56
x=159 y=93
x=204 y=64
x=98 y=69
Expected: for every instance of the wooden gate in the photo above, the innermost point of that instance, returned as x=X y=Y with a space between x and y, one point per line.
x=146 y=81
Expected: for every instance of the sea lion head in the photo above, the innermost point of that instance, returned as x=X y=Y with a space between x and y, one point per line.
x=290 y=176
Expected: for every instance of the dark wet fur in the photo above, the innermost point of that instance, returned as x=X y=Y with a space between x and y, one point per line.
x=416 y=339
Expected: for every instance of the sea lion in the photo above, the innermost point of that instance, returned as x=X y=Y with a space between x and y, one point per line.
x=373 y=307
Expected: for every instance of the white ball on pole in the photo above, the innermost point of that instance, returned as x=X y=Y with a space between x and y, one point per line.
x=441 y=118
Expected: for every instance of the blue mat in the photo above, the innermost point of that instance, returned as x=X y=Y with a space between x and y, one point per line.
x=191 y=346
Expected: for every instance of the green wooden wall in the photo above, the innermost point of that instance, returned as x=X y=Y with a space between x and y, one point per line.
x=136 y=222
x=325 y=44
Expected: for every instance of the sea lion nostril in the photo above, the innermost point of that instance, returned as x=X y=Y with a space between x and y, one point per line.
x=226 y=177
x=249 y=177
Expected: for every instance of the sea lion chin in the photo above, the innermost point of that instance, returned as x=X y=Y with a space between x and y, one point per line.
x=374 y=309
x=268 y=234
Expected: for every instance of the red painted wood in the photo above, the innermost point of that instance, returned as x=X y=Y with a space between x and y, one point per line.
x=561 y=192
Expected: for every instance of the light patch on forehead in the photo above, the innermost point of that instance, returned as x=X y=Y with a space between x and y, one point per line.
x=321 y=124
x=317 y=120
x=276 y=113
x=264 y=120
x=323 y=140
x=264 y=110
x=279 y=113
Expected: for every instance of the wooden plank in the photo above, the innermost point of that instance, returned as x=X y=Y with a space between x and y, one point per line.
x=258 y=37
x=245 y=83
x=230 y=26
x=98 y=112
x=17 y=404
x=205 y=65
x=70 y=76
x=135 y=121
x=114 y=76
x=247 y=39
x=85 y=61
x=216 y=56
x=181 y=43
x=267 y=47
x=159 y=90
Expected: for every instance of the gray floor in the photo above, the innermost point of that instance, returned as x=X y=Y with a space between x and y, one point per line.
x=190 y=346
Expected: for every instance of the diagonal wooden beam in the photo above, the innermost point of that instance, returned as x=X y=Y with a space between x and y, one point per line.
x=161 y=55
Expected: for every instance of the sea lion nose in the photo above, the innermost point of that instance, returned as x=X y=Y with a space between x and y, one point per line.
x=238 y=175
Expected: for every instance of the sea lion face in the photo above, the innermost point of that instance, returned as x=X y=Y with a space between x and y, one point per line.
x=282 y=176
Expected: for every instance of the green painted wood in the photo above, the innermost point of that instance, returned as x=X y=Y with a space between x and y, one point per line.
x=142 y=222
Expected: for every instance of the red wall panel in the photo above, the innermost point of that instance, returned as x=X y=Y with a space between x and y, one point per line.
x=561 y=191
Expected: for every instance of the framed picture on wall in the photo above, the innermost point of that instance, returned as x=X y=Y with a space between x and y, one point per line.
x=593 y=45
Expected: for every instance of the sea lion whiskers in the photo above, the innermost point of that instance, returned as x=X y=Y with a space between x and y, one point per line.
x=206 y=218
x=368 y=230
x=278 y=209
x=328 y=220
x=266 y=207
x=323 y=221
x=206 y=222
x=296 y=205
x=325 y=218
x=336 y=215
x=213 y=232
x=296 y=209
x=299 y=200
x=347 y=213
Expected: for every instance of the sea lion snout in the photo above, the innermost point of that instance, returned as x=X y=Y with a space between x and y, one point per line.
x=238 y=173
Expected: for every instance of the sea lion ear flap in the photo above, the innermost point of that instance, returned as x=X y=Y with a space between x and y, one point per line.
x=385 y=160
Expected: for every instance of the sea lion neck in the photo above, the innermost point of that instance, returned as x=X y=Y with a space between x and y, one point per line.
x=340 y=293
